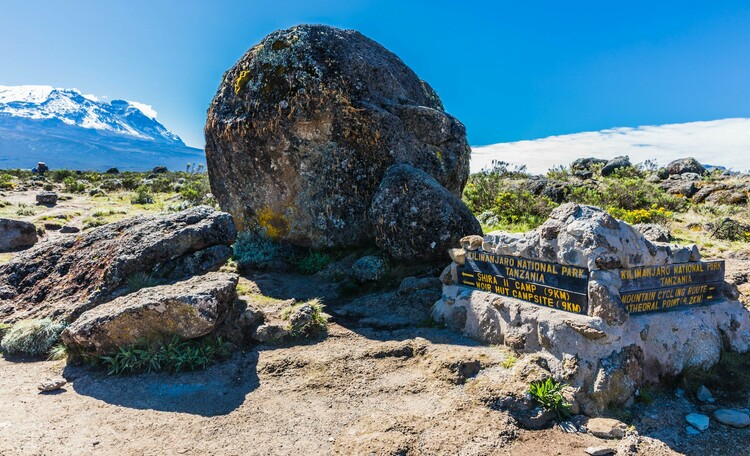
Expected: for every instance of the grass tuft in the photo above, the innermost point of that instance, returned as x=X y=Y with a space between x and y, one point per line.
x=32 y=337
x=548 y=394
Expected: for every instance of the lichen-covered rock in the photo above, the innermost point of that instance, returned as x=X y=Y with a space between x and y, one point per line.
x=615 y=164
x=417 y=218
x=369 y=268
x=16 y=234
x=64 y=277
x=304 y=126
x=46 y=198
x=685 y=165
x=188 y=309
x=653 y=232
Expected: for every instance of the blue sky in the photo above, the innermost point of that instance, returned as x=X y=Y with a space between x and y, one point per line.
x=508 y=70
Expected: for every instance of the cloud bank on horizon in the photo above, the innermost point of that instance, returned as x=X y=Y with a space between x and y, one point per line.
x=724 y=142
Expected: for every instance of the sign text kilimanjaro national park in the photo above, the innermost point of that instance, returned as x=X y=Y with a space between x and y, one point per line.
x=564 y=287
x=547 y=284
x=658 y=288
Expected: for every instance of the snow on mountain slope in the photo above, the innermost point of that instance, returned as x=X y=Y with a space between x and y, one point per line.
x=724 y=142
x=73 y=108
x=68 y=129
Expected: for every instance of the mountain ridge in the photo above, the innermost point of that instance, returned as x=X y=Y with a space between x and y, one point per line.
x=67 y=129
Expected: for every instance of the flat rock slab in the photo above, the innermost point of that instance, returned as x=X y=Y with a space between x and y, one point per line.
x=606 y=428
x=188 y=309
x=65 y=277
x=698 y=421
x=16 y=234
x=733 y=418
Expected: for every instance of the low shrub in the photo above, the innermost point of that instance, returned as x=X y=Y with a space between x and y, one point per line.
x=253 y=248
x=653 y=214
x=317 y=323
x=32 y=337
x=175 y=355
x=142 y=196
x=73 y=185
x=93 y=222
x=548 y=394
x=313 y=262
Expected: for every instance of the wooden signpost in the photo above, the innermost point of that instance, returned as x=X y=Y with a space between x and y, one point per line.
x=674 y=286
x=546 y=284
x=563 y=287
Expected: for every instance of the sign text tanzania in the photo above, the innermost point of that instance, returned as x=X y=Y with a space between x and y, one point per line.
x=547 y=284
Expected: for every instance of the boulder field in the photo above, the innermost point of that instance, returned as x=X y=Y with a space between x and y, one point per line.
x=306 y=126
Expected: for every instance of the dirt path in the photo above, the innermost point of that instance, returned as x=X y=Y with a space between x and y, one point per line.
x=353 y=393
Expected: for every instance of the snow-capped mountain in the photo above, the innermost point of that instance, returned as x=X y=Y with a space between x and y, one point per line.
x=724 y=142
x=68 y=129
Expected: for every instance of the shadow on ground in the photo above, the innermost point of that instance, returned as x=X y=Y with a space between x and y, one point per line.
x=215 y=391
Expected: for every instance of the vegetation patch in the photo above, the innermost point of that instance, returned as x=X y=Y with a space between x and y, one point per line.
x=310 y=324
x=548 y=394
x=313 y=262
x=32 y=337
x=174 y=355
x=140 y=280
x=253 y=248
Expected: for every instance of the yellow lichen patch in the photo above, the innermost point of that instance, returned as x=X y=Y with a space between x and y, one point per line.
x=275 y=224
x=241 y=81
x=439 y=155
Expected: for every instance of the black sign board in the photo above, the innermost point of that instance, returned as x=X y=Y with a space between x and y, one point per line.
x=570 y=278
x=669 y=287
x=546 y=284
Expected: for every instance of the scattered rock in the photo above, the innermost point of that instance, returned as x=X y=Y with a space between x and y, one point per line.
x=704 y=395
x=46 y=198
x=600 y=450
x=188 y=309
x=52 y=384
x=606 y=428
x=472 y=242
x=305 y=158
x=159 y=170
x=585 y=164
x=16 y=234
x=369 y=269
x=412 y=284
x=691 y=430
x=615 y=164
x=64 y=277
x=271 y=332
x=416 y=217
x=69 y=229
x=734 y=418
x=653 y=232
x=685 y=165
x=52 y=226
x=698 y=421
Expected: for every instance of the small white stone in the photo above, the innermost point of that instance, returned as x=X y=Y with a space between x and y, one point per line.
x=698 y=421
x=691 y=430
x=704 y=395
x=599 y=451
x=733 y=418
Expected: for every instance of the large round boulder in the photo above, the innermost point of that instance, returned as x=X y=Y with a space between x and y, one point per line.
x=686 y=165
x=416 y=218
x=304 y=126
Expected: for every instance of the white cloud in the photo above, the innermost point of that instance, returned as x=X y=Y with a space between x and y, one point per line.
x=724 y=142
x=147 y=110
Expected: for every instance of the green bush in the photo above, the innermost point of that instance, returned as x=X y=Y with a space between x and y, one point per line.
x=548 y=394
x=173 y=356
x=73 y=185
x=59 y=175
x=626 y=189
x=253 y=248
x=32 y=337
x=142 y=196
x=162 y=185
x=313 y=262
x=197 y=190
